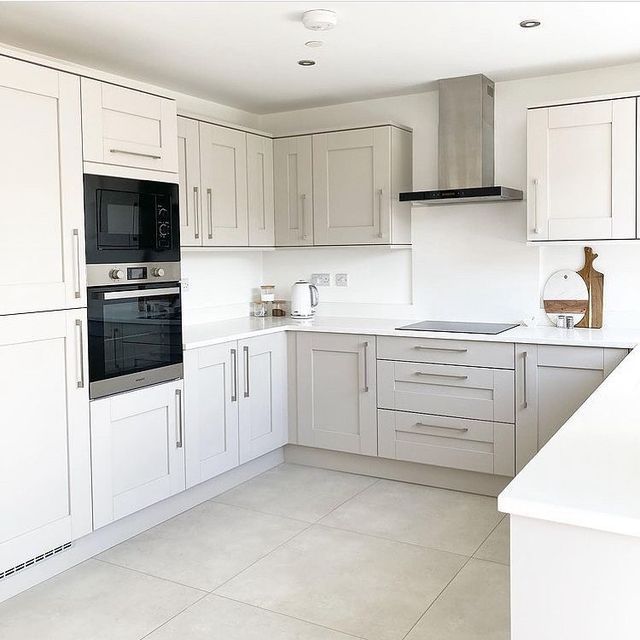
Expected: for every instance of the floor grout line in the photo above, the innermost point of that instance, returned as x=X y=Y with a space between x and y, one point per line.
x=146 y=635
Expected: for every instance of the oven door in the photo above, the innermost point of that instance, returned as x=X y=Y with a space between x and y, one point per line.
x=130 y=220
x=135 y=337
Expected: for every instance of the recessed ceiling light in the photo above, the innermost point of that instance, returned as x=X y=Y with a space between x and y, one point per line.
x=530 y=24
x=306 y=63
x=314 y=43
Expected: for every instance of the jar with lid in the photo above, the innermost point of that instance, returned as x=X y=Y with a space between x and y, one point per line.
x=279 y=308
x=267 y=292
x=259 y=309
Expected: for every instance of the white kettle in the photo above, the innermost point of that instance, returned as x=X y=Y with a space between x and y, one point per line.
x=304 y=299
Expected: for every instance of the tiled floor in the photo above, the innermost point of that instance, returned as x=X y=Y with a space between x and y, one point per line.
x=294 y=554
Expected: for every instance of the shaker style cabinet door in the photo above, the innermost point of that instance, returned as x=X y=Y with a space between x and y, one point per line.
x=147 y=420
x=223 y=172
x=582 y=171
x=293 y=191
x=352 y=187
x=42 y=263
x=211 y=411
x=189 y=182
x=262 y=380
x=260 y=191
x=337 y=392
x=45 y=472
x=128 y=128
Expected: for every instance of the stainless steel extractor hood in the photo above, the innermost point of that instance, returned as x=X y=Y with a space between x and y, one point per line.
x=465 y=146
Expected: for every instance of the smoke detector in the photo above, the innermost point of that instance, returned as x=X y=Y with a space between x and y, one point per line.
x=319 y=19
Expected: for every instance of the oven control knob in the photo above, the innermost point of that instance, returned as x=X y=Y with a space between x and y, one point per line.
x=116 y=274
x=163 y=229
x=158 y=272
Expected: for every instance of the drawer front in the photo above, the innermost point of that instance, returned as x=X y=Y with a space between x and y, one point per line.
x=461 y=392
x=472 y=445
x=497 y=355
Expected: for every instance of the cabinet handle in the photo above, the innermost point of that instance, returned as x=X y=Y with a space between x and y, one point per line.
x=246 y=371
x=380 y=234
x=136 y=153
x=209 y=212
x=179 y=418
x=451 y=349
x=196 y=213
x=437 y=426
x=535 y=229
x=441 y=375
x=80 y=356
x=234 y=375
x=525 y=402
x=366 y=367
x=76 y=264
x=303 y=221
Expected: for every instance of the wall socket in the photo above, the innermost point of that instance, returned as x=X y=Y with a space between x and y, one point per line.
x=342 y=279
x=321 y=279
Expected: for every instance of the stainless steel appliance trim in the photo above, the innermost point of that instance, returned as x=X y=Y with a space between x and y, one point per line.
x=246 y=371
x=132 y=381
x=451 y=349
x=234 y=375
x=77 y=293
x=196 y=213
x=441 y=375
x=438 y=426
x=154 y=156
x=179 y=418
x=366 y=367
x=140 y=293
x=80 y=355
x=99 y=275
x=380 y=234
x=210 y=212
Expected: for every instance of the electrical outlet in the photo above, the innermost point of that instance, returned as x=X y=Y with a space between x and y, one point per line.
x=321 y=279
x=185 y=284
x=342 y=279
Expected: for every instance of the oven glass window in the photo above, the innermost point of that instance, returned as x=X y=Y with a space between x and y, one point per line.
x=126 y=220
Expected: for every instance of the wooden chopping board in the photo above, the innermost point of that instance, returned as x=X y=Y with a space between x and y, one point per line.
x=595 y=286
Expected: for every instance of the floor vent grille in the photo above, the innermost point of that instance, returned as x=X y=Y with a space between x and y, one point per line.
x=32 y=561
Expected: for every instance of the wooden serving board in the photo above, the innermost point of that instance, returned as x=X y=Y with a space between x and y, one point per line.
x=595 y=286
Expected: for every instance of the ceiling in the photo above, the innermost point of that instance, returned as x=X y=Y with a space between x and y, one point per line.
x=244 y=54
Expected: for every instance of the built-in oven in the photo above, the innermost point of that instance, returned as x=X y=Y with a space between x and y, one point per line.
x=135 y=333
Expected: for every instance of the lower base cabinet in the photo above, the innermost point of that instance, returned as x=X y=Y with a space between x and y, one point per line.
x=137 y=450
x=336 y=376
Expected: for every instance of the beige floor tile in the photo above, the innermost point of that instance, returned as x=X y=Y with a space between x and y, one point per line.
x=217 y=618
x=93 y=601
x=295 y=491
x=475 y=606
x=204 y=546
x=437 y=518
x=496 y=546
x=357 y=584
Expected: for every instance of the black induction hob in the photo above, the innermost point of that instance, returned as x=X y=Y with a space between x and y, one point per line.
x=489 y=328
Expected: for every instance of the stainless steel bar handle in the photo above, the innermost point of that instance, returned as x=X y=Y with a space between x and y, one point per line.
x=179 y=418
x=536 y=229
x=303 y=220
x=154 y=156
x=366 y=367
x=452 y=350
x=80 y=356
x=196 y=212
x=246 y=371
x=441 y=375
x=525 y=391
x=234 y=375
x=380 y=234
x=139 y=293
x=210 y=212
x=437 y=426
x=77 y=293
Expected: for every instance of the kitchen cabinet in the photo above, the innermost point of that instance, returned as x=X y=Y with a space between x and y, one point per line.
x=45 y=473
x=357 y=176
x=337 y=392
x=581 y=165
x=260 y=200
x=42 y=193
x=128 y=128
x=137 y=452
x=551 y=384
x=189 y=182
x=211 y=411
x=223 y=172
x=293 y=185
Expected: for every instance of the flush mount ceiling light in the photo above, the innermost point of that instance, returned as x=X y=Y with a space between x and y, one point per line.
x=306 y=63
x=319 y=19
x=530 y=24
x=314 y=43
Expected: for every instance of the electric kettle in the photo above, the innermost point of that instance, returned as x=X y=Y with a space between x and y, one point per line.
x=304 y=299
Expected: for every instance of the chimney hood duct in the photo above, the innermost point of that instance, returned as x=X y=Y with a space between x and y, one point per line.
x=465 y=146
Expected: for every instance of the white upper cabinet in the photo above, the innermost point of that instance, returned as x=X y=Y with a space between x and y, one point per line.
x=223 y=171
x=293 y=177
x=42 y=263
x=582 y=171
x=189 y=181
x=260 y=190
x=128 y=128
x=45 y=477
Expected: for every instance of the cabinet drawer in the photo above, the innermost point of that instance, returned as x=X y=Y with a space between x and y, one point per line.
x=497 y=355
x=463 y=392
x=473 y=445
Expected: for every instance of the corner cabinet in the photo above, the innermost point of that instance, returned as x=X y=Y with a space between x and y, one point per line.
x=581 y=166
x=551 y=384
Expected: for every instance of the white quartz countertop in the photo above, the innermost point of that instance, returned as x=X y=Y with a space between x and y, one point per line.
x=210 y=333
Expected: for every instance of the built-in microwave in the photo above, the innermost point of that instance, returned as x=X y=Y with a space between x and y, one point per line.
x=130 y=221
